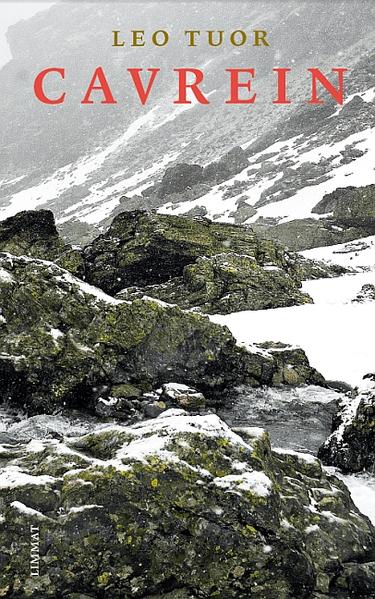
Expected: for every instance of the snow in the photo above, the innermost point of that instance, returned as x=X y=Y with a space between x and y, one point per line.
x=304 y=200
x=35 y=446
x=252 y=482
x=334 y=332
x=24 y=509
x=74 y=174
x=82 y=508
x=362 y=490
x=357 y=254
x=5 y=277
x=13 y=476
x=66 y=277
x=152 y=436
x=338 y=290
x=56 y=334
x=96 y=207
x=304 y=457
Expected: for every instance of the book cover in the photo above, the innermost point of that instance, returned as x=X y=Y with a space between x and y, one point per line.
x=187 y=298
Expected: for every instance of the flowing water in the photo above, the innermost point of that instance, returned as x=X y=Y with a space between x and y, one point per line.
x=298 y=419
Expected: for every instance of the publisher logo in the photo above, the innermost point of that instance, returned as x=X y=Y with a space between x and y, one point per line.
x=34 y=550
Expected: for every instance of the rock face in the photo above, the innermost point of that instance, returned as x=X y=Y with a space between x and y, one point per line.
x=305 y=234
x=179 y=178
x=366 y=294
x=65 y=343
x=33 y=233
x=351 y=446
x=226 y=283
x=230 y=164
x=221 y=267
x=349 y=202
x=179 y=507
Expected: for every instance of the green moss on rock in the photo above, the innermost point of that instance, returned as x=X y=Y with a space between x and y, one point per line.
x=182 y=507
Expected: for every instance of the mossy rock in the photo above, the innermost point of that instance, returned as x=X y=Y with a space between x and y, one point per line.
x=181 y=507
x=227 y=283
x=66 y=344
x=33 y=233
x=143 y=248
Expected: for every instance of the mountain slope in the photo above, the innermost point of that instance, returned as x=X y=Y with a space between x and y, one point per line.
x=90 y=162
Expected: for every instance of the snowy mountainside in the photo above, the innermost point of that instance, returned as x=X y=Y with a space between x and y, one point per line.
x=358 y=254
x=107 y=161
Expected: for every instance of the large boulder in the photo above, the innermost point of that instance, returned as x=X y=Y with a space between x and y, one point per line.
x=33 y=233
x=178 y=507
x=227 y=283
x=352 y=202
x=143 y=248
x=232 y=163
x=351 y=208
x=65 y=343
x=308 y=233
x=351 y=446
x=179 y=178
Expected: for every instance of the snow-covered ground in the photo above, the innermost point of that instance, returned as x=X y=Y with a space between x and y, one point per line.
x=336 y=334
x=358 y=254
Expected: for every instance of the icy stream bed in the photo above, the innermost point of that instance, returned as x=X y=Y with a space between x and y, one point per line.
x=297 y=419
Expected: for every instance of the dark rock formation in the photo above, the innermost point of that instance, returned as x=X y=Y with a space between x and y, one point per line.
x=226 y=283
x=349 y=202
x=351 y=446
x=176 y=508
x=307 y=233
x=33 y=233
x=366 y=294
x=351 y=208
x=143 y=248
x=229 y=165
x=180 y=177
x=64 y=343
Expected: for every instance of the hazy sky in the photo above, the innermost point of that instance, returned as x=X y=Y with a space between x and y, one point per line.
x=10 y=13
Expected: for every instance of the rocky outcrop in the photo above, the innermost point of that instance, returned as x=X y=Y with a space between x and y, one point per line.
x=179 y=178
x=33 y=233
x=308 y=233
x=183 y=179
x=65 y=343
x=226 y=283
x=178 y=507
x=351 y=446
x=143 y=249
x=232 y=163
x=349 y=202
x=366 y=294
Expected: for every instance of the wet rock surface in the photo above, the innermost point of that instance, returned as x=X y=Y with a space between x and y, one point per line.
x=299 y=418
x=351 y=446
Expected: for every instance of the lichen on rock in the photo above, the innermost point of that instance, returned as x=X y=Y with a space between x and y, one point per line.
x=179 y=507
x=65 y=343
